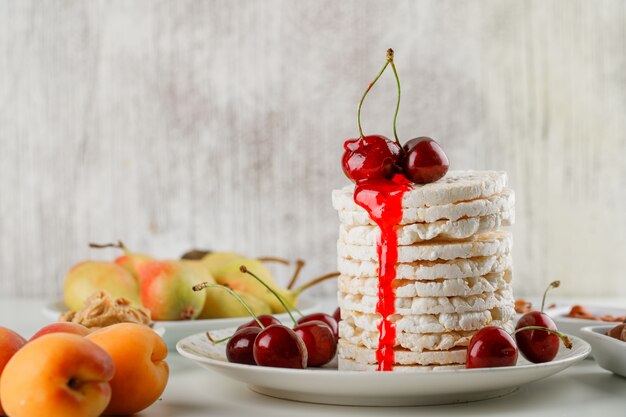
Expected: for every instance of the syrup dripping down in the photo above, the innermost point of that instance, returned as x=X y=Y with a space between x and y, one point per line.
x=382 y=199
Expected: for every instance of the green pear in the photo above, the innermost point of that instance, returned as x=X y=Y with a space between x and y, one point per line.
x=88 y=277
x=220 y=304
x=215 y=260
x=230 y=275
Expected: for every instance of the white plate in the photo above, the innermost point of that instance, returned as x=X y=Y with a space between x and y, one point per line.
x=330 y=386
x=609 y=352
x=176 y=330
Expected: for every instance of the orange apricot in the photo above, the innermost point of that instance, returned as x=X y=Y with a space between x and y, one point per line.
x=141 y=372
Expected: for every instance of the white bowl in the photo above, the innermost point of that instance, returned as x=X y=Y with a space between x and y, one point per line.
x=609 y=353
x=573 y=326
x=176 y=330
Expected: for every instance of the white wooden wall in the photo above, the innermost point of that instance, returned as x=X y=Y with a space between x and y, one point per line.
x=173 y=124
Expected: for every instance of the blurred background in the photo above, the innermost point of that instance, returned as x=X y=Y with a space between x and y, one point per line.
x=219 y=124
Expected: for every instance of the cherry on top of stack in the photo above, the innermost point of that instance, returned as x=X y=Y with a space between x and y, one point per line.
x=423 y=262
x=453 y=271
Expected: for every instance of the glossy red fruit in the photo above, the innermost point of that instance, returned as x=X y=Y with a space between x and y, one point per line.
x=240 y=345
x=491 y=347
x=266 y=319
x=537 y=346
x=280 y=347
x=370 y=157
x=424 y=161
x=319 y=340
x=324 y=318
x=337 y=315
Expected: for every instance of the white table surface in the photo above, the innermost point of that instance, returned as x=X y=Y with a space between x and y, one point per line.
x=582 y=390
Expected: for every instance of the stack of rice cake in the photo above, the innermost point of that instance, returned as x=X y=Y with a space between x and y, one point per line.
x=453 y=274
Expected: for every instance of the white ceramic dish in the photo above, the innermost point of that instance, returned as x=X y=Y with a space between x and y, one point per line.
x=330 y=386
x=176 y=330
x=573 y=326
x=608 y=352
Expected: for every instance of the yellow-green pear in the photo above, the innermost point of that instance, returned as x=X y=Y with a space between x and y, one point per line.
x=231 y=276
x=88 y=277
x=220 y=304
x=215 y=260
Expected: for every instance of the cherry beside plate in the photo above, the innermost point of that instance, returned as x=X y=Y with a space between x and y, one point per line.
x=330 y=386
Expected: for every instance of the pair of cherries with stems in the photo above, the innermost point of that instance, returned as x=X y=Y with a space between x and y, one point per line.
x=265 y=341
x=373 y=157
x=536 y=337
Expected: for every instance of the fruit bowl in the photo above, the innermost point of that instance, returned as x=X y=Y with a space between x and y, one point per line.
x=329 y=386
x=608 y=352
x=176 y=330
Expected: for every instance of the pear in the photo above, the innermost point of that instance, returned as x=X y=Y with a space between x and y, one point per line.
x=89 y=277
x=230 y=275
x=219 y=304
x=287 y=297
x=129 y=260
x=215 y=260
x=200 y=269
x=166 y=289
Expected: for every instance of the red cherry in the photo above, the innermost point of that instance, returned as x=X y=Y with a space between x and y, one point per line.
x=491 y=347
x=320 y=342
x=424 y=161
x=239 y=346
x=370 y=157
x=537 y=346
x=337 y=315
x=266 y=319
x=280 y=347
x=324 y=318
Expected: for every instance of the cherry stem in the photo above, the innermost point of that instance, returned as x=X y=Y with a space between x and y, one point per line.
x=369 y=87
x=273 y=259
x=218 y=341
x=553 y=284
x=315 y=282
x=296 y=273
x=284 y=302
x=203 y=285
x=566 y=341
x=395 y=116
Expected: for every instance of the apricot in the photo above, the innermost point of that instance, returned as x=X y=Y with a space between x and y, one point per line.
x=10 y=342
x=62 y=327
x=57 y=375
x=141 y=372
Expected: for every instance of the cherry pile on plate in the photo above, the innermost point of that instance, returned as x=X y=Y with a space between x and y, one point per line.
x=420 y=160
x=536 y=338
x=265 y=341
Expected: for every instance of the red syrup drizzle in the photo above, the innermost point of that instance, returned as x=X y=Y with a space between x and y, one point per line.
x=382 y=199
